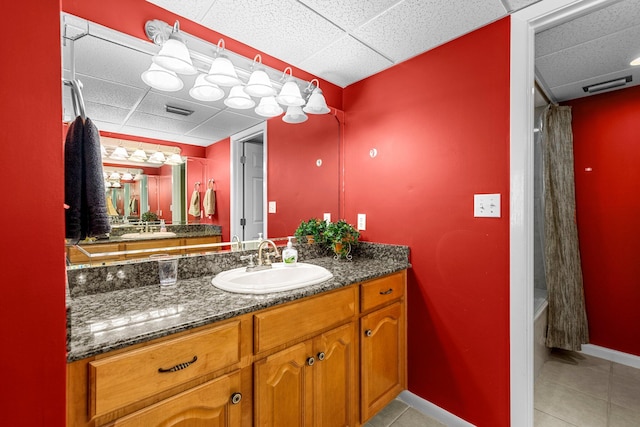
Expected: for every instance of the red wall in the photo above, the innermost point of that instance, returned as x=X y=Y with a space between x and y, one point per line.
x=301 y=189
x=607 y=140
x=440 y=124
x=32 y=323
x=219 y=168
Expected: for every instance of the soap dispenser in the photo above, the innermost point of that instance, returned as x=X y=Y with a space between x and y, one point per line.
x=290 y=254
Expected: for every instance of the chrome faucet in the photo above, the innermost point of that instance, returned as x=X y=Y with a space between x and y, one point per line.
x=267 y=262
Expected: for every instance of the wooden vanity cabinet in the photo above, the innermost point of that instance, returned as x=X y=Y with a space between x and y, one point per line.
x=382 y=343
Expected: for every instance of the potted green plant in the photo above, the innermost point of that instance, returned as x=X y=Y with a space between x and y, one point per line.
x=311 y=231
x=149 y=217
x=340 y=236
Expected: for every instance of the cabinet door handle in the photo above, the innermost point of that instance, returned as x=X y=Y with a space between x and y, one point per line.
x=179 y=366
x=311 y=361
x=387 y=292
x=368 y=332
x=321 y=356
x=236 y=398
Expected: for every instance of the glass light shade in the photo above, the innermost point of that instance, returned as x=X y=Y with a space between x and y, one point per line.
x=174 y=159
x=290 y=95
x=162 y=79
x=259 y=85
x=120 y=153
x=174 y=56
x=107 y=184
x=205 y=91
x=222 y=72
x=157 y=157
x=316 y=104
x=127 y=176
x=138 y=156
x=239 y=99
x=635 y=62
x=295 y=115
x=138 y=177
x=114 y=176
x=268 y=107
x=103 y=151
x=116 y=184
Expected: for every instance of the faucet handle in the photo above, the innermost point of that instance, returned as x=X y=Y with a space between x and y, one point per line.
x=268 y=256
x=249 y=257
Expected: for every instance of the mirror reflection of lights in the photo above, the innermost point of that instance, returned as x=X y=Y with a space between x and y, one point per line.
x=138 y=319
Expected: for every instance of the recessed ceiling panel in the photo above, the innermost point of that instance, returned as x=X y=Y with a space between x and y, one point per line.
x=159 y=123
x=351 y=14
x=415 y=26
x=109 y=93
x=192 y=9
x=224 y=122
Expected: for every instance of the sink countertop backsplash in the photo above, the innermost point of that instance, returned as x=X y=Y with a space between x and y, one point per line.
x=114 y=306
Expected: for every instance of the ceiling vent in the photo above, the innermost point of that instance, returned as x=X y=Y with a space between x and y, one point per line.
x=178 y=110
x=607 y=85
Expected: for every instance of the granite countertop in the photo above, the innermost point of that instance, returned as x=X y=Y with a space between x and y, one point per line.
x=116 y=319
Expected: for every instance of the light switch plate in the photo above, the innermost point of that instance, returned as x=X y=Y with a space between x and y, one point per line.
x=362 y=222
x=486 y=205
x=272 y=207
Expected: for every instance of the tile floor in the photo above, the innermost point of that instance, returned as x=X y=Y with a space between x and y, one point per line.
x=574 y=389
x=399 y=414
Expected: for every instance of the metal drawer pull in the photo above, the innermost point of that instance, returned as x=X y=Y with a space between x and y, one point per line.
x=321 y=356
x=179 y=366
x=368 y=332
x=236 y=398
x=311 y=361
x=387 y=292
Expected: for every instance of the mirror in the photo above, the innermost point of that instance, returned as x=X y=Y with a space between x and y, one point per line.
x=301 y=161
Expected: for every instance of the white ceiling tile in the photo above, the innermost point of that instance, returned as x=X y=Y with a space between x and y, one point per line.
x=154 y=103
x=107 y=113
x=415 y=26
x=514 y=5
x=345 y=61
x=105 y=92
x=284 y=29
x=349 y=14
x=224 y=121
x=159 y=123
x=191 y=9
x=613 y=19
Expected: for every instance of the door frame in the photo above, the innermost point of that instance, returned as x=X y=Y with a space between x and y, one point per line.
x=235 y=201
x=524 y=24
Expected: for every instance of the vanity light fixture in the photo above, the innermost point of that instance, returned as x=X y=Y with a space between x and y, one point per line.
x=295 y=115
x=290 y=93
x=268 y=107
x=635 y=62
x=222 y=71
x=239 y=99
x=204 y=90
x=157 y=158
x=162 y=79
x=174 y=159
x=174 y=55
x=127 y=176
x=316 y=103
x=120 y=153
x=138 y=156
x=115 y=176
x=259 y=84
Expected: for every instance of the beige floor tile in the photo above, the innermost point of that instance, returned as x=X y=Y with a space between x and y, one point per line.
x=626 y=371
x=388 y=414
x=541 y=419
x=623 y=417
x=570 y=405
x=413 y=418
x=580 y=359
x=587 y=379
x=625 y=391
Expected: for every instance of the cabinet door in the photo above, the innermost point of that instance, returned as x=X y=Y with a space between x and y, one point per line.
x=283 y=387
x=335 y=377
x=382 y=342
x=214 y=403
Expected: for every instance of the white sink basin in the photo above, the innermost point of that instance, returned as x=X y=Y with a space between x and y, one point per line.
x=276 y=279
x=154 y=235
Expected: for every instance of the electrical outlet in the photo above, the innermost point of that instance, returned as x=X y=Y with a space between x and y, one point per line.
x=362 y=222
x=272 y=207
x=327 y=217
x=486 y=205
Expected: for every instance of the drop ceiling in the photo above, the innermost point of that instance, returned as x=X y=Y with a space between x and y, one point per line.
x=340 y=41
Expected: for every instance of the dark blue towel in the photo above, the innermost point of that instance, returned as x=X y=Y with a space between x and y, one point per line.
x=84 y=190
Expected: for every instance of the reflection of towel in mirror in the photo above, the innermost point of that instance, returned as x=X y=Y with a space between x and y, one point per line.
x=133 y=205
x=111 y=210
x=209 y=202
x=84 y=182
x=194 y=206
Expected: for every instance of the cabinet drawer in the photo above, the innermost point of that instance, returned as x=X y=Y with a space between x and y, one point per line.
x=126 y=378
x=377 y=292
x=290 y=322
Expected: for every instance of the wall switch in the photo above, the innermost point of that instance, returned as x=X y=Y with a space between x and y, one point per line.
x=272 y=207
x=327 y=217
x=486 y=205
x=362 y=221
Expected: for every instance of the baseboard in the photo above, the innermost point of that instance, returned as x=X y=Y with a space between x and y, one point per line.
x=612 y=355
x=432 y=410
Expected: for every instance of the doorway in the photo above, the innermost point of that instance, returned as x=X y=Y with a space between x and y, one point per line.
x=249 y=184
